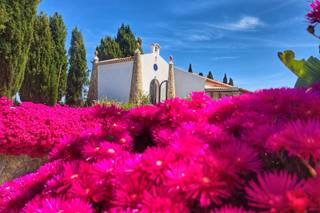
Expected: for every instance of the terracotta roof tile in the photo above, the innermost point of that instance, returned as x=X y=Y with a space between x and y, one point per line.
x=116 y=60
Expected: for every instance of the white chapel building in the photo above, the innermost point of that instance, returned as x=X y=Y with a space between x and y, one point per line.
x=125 y=79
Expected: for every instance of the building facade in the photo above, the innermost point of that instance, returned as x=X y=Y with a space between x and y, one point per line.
x=125 y=79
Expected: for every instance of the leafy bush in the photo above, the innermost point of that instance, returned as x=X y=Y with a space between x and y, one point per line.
x=256 y=152
x=142 y=100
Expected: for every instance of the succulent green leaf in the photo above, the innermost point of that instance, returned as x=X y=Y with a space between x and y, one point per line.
x=308 y=71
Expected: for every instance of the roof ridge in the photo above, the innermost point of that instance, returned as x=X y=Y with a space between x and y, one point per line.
x=117 y=60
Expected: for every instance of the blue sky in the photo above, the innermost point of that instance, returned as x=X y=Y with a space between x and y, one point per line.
x=240 y=38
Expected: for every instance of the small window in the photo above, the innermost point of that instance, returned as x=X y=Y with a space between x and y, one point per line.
x=155 y=67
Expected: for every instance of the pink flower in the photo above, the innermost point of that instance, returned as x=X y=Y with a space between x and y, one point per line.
x=129 y=192
x=314 y=15
x=229 y=209
x=276 y=193
x=188 y=146
x=158 y=200
x=300 y=138
x=312 y=189
x=240 y=157
x=97 y=151
x=155 y=162
x=200 y=182
x=48 y=205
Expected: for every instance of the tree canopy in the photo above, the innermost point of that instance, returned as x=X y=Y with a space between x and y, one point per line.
x=108 y=49
x=210 y=75
x=124 y=45
x=16 y=23
x=190 y=68
x=77 y=75
x=231 y=83
x=60 y=60
x=225 y=79
x=126 y=40
x=40 y=80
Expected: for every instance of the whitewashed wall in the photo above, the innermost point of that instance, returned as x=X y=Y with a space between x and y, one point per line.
x=148 y=73
x=114 y=81
x=187 y=83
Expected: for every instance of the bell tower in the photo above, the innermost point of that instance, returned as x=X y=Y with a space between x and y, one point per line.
x=155 y=48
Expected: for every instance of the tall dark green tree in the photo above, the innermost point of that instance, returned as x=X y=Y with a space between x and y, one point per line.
x=231 y=83
x=126 y=40
x=15 y=40
x=225 y=79
x=210 y=76
x=78 y=71
x=4 y=17
x=39 y=79
x=190 y=68
x=60 y=59
x=108 y=49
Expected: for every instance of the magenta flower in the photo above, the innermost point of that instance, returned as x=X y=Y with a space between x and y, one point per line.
x=155 y=162
x=98 y=151
x=129 y=192
x=312 y=189
x=48 y=205
x=188 y=146
x=158 y=200
x=314 y=15
x=300 y=138
x=277 y=193
x=202 y=183
x=229 y=209
x=239 y=157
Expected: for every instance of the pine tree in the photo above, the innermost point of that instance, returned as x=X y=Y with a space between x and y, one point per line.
x=210 y=76
x=108 y=49
x=190 y=68
x=126 y=40
x=225 y=79
x=201 y=74
x=15 y=39
x=59 y=34
x=77 y=75
x=38 y=84
x=231 y=82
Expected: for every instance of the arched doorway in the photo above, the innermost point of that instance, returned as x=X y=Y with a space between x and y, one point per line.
x=154 y=91
x=163 y=91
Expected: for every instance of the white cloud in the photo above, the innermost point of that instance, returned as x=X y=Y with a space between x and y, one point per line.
x=198 y=37
x=245 y=23
x=219 y=58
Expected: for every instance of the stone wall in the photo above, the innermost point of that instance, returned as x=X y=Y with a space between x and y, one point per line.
x=12 y=167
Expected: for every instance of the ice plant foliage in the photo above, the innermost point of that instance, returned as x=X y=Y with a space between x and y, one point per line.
x=257 y=152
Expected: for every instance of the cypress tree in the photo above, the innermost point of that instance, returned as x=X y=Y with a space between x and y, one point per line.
x=108 y=49
x=15 y=39
x=77 y=75
x=60 y=60
x=225 y=79
x=3 y=16
x=231 y=83
x=210 y=76
x=201 y=74
x=190 y=68
x=139 y=40
x=126 y=40
x=38 y=84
